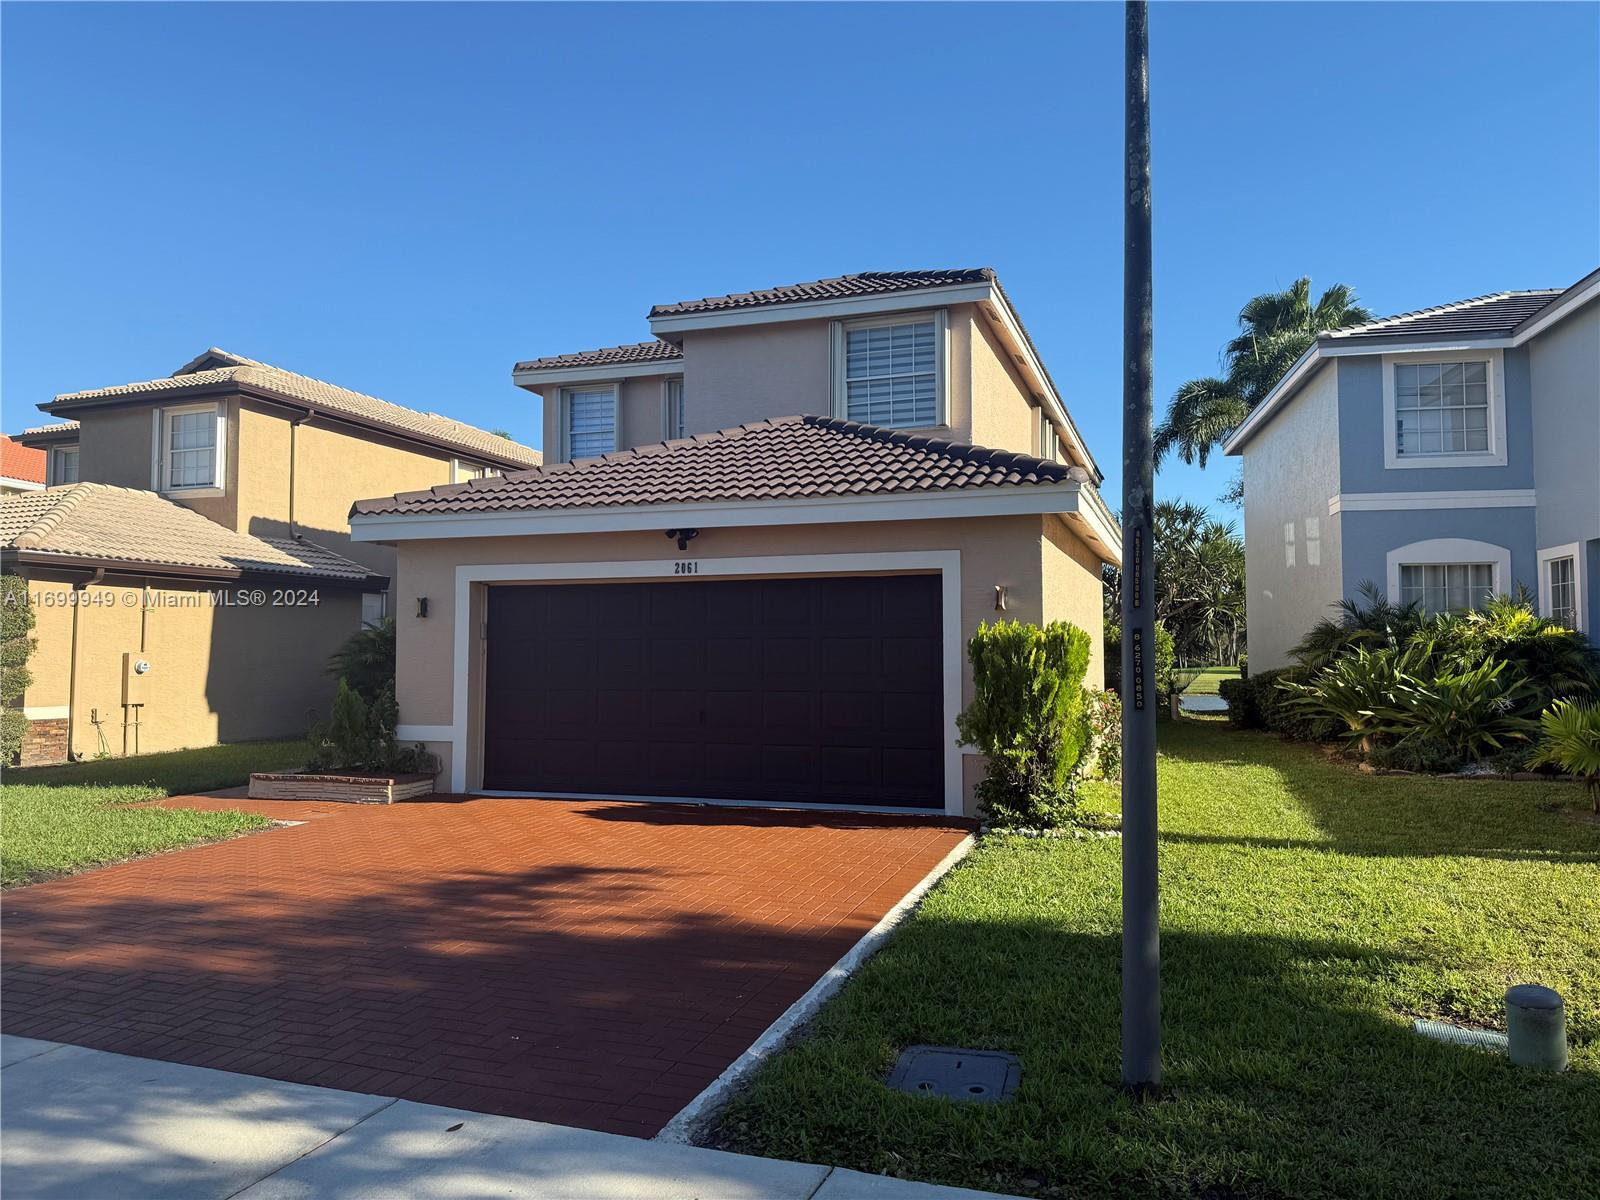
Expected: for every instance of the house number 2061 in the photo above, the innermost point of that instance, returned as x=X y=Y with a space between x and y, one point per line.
x=686 y=568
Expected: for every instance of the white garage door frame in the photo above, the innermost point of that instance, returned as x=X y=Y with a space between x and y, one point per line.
x=468 y=577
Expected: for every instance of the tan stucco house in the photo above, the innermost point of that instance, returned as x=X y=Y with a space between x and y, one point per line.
x=173 y=507
x=749 y=568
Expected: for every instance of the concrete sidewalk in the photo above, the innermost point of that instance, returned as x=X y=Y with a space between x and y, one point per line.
x=80 y=1123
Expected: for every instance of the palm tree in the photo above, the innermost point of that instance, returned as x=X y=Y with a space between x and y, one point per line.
x=1275 y=329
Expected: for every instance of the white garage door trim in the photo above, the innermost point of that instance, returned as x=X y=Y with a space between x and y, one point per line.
x=946 y=563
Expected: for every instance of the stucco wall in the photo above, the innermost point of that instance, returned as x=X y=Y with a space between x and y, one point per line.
x=1291 y=470
x=333 y=469
x=1370 y=536
x=1073 y=591
x=1000 y=550
x=1003 y=414
x=1564 y=368
x=218 y=673
x=640 y=412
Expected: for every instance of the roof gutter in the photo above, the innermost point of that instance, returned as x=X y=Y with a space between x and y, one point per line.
x=100 y=568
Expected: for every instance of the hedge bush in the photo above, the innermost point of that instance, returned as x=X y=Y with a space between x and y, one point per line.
x=1027 y=716
x=16 y=647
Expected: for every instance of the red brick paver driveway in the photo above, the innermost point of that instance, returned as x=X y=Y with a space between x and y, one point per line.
x=586 y=963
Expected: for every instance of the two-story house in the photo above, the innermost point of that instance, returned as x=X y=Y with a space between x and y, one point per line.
x=191 y=560
x=749 y=569
x=1443 y=455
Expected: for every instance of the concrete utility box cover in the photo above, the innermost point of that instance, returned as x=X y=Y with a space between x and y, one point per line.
x=987 y=1076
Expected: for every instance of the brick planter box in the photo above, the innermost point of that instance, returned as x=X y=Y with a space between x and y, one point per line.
x=376 y=788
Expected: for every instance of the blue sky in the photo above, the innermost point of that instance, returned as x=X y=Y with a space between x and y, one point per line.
x=407 y=199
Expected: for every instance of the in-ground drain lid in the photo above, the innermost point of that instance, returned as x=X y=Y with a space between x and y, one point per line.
x=987 y=1076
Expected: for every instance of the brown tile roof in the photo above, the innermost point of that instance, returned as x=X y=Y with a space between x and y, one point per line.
x=784 y=458
x=219 y=367
x=866 y=283
x=105 y=525
x=21 y=462
x=609 y=356
x=1495 y=315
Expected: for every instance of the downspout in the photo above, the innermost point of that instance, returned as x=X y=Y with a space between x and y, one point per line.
x=294 y=429
x=72 y=654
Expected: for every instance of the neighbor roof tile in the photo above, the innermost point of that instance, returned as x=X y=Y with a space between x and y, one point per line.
x=1495 y=315
x=102 y=524
x=608 y=356
x=21 y=462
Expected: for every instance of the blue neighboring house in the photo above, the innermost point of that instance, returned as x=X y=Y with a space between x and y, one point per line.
x=1444 y=455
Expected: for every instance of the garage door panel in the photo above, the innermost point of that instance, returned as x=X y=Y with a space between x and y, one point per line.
x=822 y=690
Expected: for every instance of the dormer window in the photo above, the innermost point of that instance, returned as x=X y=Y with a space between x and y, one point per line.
x=890 y=371
x=189 y=444
x=588 y=421
x=63 y=464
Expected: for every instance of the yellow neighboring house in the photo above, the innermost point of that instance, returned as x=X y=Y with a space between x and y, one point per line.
x=190 y=560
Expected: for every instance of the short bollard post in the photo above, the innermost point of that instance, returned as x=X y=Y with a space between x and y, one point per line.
x=1536 y=1027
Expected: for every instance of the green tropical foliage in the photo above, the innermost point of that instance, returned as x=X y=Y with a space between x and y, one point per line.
x=16 y=647
x=1570 y=739
x=1027 y=716
x=361 y=737
x=366 y=660
x=1367 y=620
x=1199 y=584
x=1275 y=329
x=1162 y=667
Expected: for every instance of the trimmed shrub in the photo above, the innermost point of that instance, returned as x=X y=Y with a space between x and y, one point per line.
x=1166 y=655
x=16 y=647
x=1027 y=716
x=361 y=737
x=1244 y=704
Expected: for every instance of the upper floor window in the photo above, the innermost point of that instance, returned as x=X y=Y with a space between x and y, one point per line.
x=1443 y=412
x=189 y=444
x=1441 y=408
x=63 y=464
x=589 y=421
x=890 y=371
x=672 y=409
x=374 y=609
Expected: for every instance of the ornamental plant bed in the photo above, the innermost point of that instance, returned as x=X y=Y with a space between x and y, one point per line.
x=350 y=787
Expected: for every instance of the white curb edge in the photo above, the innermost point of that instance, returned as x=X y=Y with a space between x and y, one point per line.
x=686 y=1123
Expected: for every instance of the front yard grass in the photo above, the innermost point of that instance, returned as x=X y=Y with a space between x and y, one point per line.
x=1206 y=682
x=1309 y=912
x=50 y=830
x=176 y=772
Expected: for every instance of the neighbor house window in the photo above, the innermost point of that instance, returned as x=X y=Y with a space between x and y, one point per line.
x=672 y=409
x=374 y=608
x=63 y=465
x=1441 y=408
x=890 y=371
x=461 y=471
x=1561 y=578
x=188 y=448
x=1446 y=587
x=590 y=416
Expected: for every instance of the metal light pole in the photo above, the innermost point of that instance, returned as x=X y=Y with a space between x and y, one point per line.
x=1141 y=934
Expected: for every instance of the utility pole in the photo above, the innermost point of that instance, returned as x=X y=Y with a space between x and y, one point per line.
x=1141 y=930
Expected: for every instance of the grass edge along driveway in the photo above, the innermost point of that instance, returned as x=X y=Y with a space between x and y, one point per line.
x=1308 y=913
x=55 y=820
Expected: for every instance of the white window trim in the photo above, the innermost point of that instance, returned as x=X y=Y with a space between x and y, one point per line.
x=564 y=414
x=474 y=578
x=1495 y=456
x=941 y=364
x=1440 y=551
x=158 y=451
x=1580 y=582
x=50 y=473
x=668 y=433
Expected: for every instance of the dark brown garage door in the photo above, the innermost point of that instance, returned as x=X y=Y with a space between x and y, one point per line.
x=786 y=690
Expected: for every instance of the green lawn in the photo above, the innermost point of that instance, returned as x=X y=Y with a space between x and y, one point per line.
x=1206 y=683
x=176 y=772
x=1309 y=912
x=49 y=830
